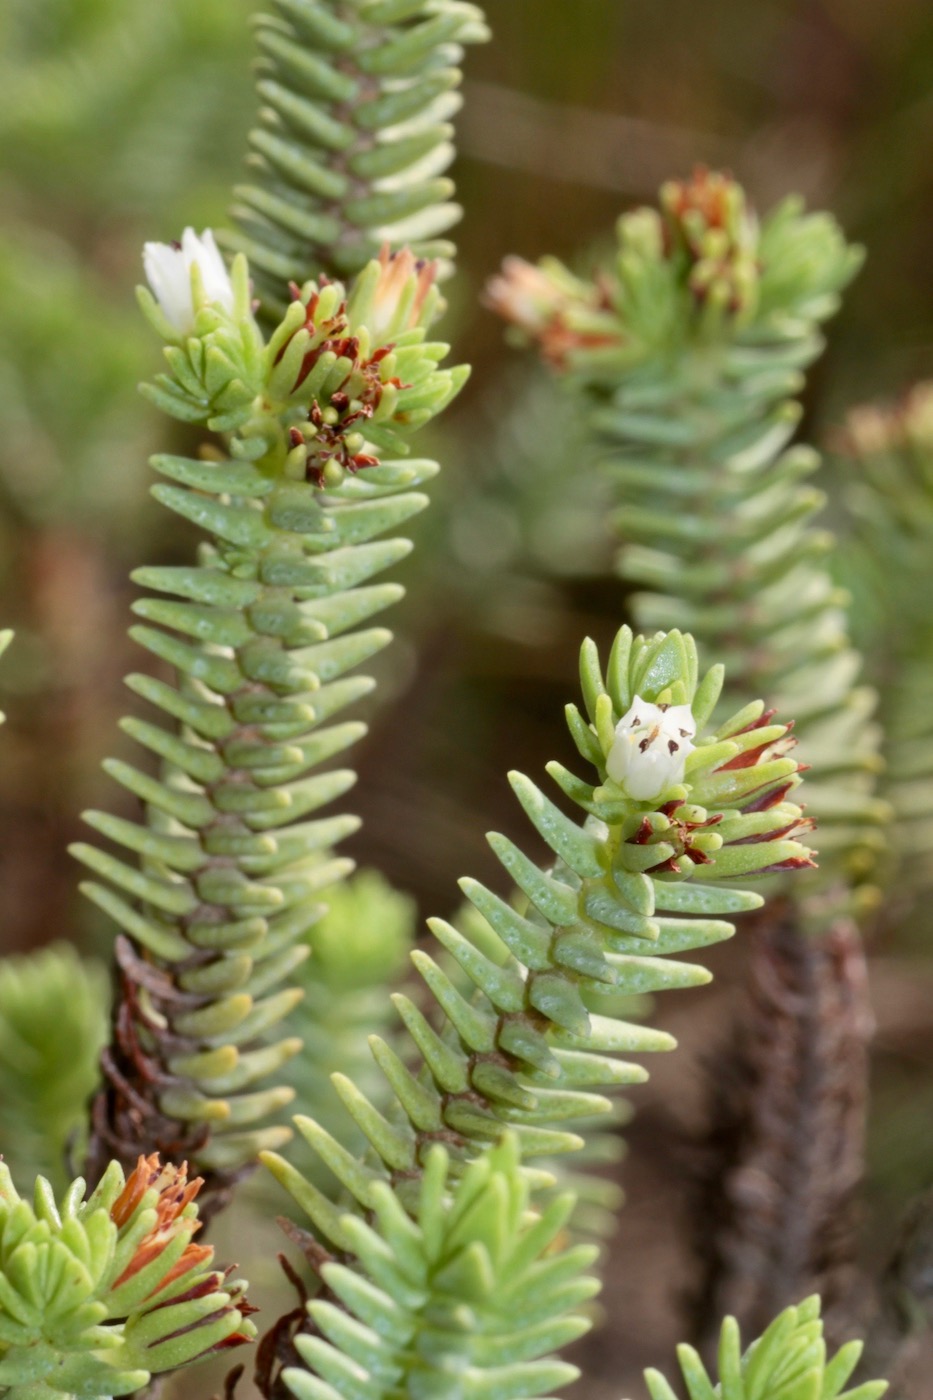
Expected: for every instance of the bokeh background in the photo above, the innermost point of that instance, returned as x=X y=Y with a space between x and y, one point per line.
x=122 y=120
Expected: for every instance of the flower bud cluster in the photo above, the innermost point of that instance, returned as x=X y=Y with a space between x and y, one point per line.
x=398 y=296
x=99 y=1293
x=711 y=236
x=702 y=243
x=695 y=269
x=552 y=307
x=651 y=757
x=347 y=371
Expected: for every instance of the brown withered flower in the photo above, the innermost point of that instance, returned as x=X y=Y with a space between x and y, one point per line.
x=175 y=1195
x=551 y=307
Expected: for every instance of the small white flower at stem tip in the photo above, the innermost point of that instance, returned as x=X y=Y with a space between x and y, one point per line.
x=168 y=271
x=652 y=744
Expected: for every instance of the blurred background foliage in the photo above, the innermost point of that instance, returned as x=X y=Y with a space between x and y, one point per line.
x=122 y=120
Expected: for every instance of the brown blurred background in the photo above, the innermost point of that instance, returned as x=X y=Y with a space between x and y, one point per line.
x=122 y=120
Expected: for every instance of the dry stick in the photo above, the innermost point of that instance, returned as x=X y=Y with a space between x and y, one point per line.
x=776 y=1206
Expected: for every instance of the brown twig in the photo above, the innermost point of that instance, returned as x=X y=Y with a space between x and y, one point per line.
x=125 y=1118
x=776 y=1205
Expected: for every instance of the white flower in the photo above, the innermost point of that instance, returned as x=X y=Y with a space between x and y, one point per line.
x=651 y=746
x=168 y=271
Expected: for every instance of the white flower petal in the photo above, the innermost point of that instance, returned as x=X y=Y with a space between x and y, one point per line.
x=651 y=748
x=168 y=272
x=680 y=717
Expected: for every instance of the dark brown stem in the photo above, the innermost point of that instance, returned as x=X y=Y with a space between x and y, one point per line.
x=776 y=1207
x=126 y=1121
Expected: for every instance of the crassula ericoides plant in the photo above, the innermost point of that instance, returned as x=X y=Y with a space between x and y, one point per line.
x=887 y=461
x=688 y=347
x=353 y=138
x=315 y=424
x=787 y=1362
x=670 y=814
x=444 y=1255
x=686 y=350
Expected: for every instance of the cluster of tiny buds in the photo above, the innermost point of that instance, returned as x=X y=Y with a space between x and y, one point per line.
x=708 y=200
x=560 y=313
x=329 y=444
x=322 y=450
x=184 y=275
x=707 y=219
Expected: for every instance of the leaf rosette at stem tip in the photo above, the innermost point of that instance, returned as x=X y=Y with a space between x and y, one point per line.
x=634 y=879
x=99 y=1292
x=687 y=347
x=787 y=1362
x=700 y=270
x=229 y=864
x=348 y=372
x=472 y=1293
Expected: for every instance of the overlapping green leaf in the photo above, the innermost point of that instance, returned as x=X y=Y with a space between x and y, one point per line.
x=99 y=1292
x=471 y=1291
x=634 y=883
x=354 y=136
x=788 y=1362
x=889 y=475
x=689 y=347
x=262 y=633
